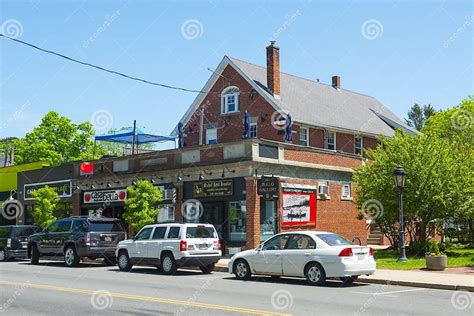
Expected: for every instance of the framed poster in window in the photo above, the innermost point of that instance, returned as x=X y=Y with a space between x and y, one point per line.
x=299 y=205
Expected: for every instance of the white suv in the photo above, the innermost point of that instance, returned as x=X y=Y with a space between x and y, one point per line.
x=170 y=246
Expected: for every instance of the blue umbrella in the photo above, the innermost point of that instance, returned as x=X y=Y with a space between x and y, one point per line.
x=246 y=133
x=180 y=135
x=288 y=129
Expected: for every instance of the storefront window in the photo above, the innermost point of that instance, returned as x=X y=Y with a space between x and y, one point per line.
x=165 y=213
x=268 y=218
x=238 y=221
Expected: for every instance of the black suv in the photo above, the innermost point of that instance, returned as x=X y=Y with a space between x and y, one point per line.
x=13 y=241
x=77 y=237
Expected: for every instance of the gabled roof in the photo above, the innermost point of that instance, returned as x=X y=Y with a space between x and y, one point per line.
x=313 y=103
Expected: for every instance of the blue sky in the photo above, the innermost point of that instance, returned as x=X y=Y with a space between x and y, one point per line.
x=401 y=52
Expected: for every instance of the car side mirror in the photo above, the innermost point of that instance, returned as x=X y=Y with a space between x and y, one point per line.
x=260 y=247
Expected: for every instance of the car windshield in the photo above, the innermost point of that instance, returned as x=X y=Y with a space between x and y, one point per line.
x=105 y=227
x=23 y=231
x=200 y=232
x=334 y=240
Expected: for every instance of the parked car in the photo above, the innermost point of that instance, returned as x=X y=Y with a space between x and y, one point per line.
x=170 y=246
x=311 y=254
x=14 y=240
x=77 y=237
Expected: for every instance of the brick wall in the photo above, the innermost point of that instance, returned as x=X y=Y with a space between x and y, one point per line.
x=253 y=214
x=369 y=142
x=316 y=138
x=330 y=159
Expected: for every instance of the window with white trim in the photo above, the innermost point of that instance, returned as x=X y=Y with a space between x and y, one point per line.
x=165 y=213
x=230 y=100
x=211 y=135
x=358 y=143
x=304 y=136
x=323 y=188
x=253 y=127
x=331 y=140
x=346 y=191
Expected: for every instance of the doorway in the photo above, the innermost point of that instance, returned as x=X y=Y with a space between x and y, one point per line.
x=214 y=214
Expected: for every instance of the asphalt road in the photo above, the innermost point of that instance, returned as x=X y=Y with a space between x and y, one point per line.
x=52 y=289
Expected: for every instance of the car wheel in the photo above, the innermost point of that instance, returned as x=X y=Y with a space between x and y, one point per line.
x=3 y=255
x=34 y=255
x=168 y=264
x=315 y=274
x=71 y=259
x=208 y=269
x=242 y=270
x=123 y=262
x=110 y=261
x=349 y=280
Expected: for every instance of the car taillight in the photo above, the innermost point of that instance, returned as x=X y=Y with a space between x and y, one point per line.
x=218 y=244
x=183 y=245
x=347 y=252
x=9 y=242
x=371 y=252
x=87 y=238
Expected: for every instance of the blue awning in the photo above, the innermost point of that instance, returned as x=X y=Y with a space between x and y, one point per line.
x=126 y=137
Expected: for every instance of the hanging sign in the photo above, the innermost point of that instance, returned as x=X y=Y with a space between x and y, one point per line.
x=268 y=187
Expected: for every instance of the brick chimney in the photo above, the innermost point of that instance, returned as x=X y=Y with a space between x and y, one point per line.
x=273 y=69
x=336 y=82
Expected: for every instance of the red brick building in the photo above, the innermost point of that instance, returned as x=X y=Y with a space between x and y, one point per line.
x=253 y=184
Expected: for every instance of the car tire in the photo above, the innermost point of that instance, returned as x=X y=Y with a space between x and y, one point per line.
x=123 y=262
x=168 y=264
x=71 y=259
x=3 y=255
x=208 y=269
x=34 y=254
x=110 y=261
x=315 y=274
x=349 y=280
x=242 y=270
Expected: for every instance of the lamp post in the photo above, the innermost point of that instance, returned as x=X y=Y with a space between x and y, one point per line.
x=399 y=178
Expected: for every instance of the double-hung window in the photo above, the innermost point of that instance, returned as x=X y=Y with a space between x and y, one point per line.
x=230 y=100
x=346 y=191
x=211 y=134
x=331 y=140
x=253 y=127
x=304 y=136
x=358 y=143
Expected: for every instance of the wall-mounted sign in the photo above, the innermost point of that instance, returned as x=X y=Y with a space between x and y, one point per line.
x=86 y=168
x=213 y=188
x=299 y=205
x=61 y=187
x=104 y=196
x=268 y=187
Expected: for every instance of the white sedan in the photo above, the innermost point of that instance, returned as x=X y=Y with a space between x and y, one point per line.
x=310 y=254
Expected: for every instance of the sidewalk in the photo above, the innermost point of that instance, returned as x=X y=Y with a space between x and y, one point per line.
x=416 y=278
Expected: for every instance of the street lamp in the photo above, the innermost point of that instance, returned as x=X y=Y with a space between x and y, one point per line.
x=399 y=178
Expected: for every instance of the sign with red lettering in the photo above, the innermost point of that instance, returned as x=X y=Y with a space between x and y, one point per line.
x=105 y=196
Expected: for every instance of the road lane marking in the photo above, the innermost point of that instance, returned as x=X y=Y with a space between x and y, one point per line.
x=391 y=292
x=147 y=299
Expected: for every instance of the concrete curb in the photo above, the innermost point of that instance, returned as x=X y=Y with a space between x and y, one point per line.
x=452 y=287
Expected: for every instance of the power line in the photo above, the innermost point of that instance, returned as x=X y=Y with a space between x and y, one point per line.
x=101 y=68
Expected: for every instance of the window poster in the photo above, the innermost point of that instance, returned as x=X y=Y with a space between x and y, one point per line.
x=299 y=206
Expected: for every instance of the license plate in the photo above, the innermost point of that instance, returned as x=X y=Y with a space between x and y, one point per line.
x=203 y=246
x=108 y=238
x=360 y=257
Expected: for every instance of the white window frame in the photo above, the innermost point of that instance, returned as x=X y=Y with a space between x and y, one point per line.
x=321 y=194
x=344 y=196
x=226 y=93
x=306 y=141
x=361 y=144
x=208 y=131
x=327 y=139
x=253 y=125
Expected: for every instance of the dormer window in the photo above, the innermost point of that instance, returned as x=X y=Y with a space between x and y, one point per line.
x=230 y=100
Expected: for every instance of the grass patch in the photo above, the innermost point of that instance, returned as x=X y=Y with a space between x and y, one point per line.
x=387 y=259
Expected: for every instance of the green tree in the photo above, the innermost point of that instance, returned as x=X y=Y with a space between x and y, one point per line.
x=140 y=206
x=418 y=115
x=56 y=139
x=46 y=203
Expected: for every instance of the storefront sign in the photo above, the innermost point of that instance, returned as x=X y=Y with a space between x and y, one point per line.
x=299 y=205
x=105 y=196
x=61 y=187
x=268 y=187
x=213 y=188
